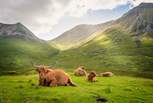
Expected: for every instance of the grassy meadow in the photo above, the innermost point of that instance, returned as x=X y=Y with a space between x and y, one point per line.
x=117 y=89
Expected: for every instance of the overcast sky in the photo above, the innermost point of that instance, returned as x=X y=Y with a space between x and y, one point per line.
x=49 y=18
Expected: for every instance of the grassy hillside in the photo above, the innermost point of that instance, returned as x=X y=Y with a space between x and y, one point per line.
x=114 y=49
x=19 y=54
x=118 y=89
x=125 y=46
x=78 y=35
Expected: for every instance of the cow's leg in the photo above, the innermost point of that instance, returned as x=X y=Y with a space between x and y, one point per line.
x=41 y=82
x=53 y=83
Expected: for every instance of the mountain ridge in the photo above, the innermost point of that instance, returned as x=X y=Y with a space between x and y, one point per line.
x=20 y=49
x=139 y=19
x=118 y=48
x=17 y=30
x=81 y=33
x=136 y=21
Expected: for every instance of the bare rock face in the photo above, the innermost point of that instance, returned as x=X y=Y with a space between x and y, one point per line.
x=139 y=19
x=16 y=30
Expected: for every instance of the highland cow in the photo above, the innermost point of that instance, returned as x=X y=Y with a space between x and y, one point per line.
x=53 y=77
x=91 y=76
x=80 y=71
x=106 y=74
x=42 y=75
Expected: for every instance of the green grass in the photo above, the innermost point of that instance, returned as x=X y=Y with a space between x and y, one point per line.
x=19 y=53
x=117 y=89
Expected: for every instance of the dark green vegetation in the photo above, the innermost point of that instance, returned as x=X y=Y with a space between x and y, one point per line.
x=118 y=89
x=19 y=54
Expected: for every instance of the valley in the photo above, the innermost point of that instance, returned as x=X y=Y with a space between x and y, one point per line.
x=123 y=46
x=112 y=46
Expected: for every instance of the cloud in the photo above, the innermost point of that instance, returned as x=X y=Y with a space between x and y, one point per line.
x=41 y=15
x=38 y=15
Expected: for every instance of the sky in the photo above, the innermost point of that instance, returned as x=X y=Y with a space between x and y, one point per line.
x=48 y=19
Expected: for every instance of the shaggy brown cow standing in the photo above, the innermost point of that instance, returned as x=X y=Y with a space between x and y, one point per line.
x=80 y=71
x=91 y=76
x=56 y=77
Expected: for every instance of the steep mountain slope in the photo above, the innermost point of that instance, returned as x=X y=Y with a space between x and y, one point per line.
x=20 y=49
x=78 y=35
x=138 y=20
x=118 y=48
x=16 y=30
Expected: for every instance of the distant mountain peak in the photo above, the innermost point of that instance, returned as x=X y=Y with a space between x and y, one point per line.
x=139 y=19
x=146 y=5
x=16 y=30
x=13 y=24
x=18 y=23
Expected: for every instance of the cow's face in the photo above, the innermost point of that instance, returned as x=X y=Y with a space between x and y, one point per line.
x=42 y=71
x=93 y=74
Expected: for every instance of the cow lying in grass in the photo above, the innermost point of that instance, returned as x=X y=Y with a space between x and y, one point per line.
x=80 y=71
x=50 y=77
x=106 y=74
x=91 y=76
